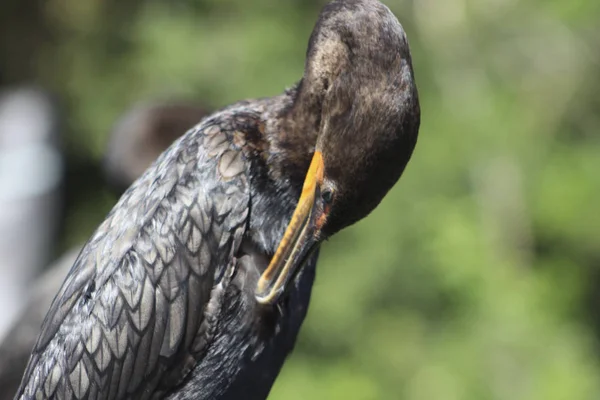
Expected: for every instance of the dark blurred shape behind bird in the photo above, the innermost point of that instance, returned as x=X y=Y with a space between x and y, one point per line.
x=197 y=283
x=142 y=134
x=134 y=143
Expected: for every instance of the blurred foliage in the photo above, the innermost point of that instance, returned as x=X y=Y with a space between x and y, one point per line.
x=478 y=276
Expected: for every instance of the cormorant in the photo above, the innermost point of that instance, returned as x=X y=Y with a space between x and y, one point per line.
x=196 y=284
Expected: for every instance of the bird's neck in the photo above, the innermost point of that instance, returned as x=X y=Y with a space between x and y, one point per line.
x=292 y=134
x=284 y=148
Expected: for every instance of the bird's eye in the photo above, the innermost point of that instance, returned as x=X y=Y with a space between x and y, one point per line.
x=327 y=196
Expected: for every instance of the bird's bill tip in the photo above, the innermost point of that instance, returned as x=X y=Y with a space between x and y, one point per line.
x=299 y=240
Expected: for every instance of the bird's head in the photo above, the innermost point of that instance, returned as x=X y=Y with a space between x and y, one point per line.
x=359 y=75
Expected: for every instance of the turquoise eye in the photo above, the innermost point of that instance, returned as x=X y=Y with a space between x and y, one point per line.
x=327 y=196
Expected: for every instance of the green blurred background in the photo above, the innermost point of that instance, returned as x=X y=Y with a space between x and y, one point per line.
x=478 y=277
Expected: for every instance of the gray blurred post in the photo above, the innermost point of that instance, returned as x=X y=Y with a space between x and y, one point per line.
x=30 y=177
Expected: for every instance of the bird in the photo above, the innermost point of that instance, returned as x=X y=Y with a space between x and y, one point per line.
x=137 y=138
x=198 y=281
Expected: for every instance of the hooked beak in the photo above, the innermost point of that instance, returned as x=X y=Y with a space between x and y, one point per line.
x=299 y=240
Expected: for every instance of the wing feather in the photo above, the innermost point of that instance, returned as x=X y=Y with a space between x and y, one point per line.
x=128 y=320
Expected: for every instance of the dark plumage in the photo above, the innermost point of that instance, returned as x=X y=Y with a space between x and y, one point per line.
x=196 y=284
